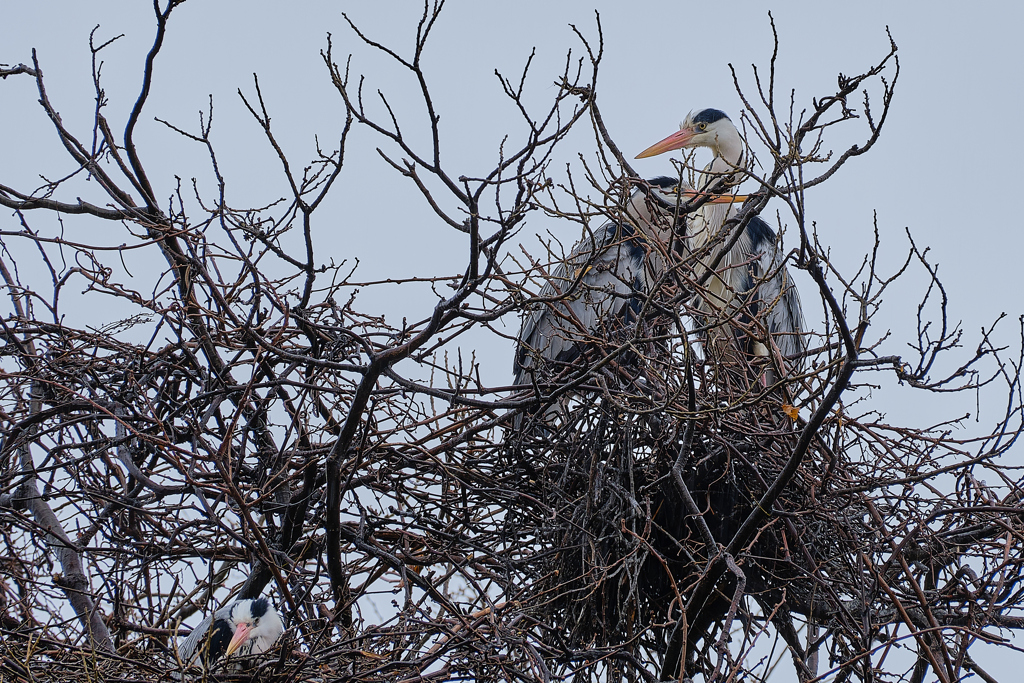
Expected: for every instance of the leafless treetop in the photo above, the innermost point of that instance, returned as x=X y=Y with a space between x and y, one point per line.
x=248 y=427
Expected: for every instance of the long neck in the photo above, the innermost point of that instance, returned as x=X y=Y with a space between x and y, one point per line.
x=728 y=149
x=707 y=221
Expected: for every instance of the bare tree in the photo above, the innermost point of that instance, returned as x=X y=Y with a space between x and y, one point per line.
x=246 y=426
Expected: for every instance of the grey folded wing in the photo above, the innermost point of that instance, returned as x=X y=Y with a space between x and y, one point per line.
x=189 y=650
x=601 y=282
x=779 y=304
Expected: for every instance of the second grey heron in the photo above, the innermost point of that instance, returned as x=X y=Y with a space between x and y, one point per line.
x=244 y=626
x=602 y=282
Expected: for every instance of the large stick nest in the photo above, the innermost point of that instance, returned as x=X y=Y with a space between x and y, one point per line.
x=621 y=551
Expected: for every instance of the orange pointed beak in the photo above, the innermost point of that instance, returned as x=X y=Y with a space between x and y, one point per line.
x=241 y=635
x=677 y=140
x=718 y=198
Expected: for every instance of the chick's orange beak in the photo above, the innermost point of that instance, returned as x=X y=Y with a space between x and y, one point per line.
x=677 y=140
x=241 y=635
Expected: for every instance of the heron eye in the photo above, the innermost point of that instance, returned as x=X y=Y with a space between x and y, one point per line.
x=702 y=126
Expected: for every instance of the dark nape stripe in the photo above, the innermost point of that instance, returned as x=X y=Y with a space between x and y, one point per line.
x=709 y=116
x=259 y=607
x=663 y=181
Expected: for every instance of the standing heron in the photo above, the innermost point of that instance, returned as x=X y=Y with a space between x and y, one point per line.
x=246 y=626
x=751 y=291
x=751 y=280
x=603 y=283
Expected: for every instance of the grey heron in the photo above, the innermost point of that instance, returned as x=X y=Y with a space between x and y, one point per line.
x=751 y=280
x=249 y=626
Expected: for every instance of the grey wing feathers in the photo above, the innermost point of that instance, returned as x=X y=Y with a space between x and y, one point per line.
x=592 y=286
x=786 y=321
x=780 y=299
x=188 y=649
x=536 y=336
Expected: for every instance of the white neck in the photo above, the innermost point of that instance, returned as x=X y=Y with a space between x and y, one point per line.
x=728 y=149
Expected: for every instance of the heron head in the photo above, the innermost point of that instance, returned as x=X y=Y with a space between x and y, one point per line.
x=256 y=624
x=702 y=128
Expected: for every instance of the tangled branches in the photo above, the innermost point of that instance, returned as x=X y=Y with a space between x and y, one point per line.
x=236 y=421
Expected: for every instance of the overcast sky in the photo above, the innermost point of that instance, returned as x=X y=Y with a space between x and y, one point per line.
x=947 y=165
x=943 y=167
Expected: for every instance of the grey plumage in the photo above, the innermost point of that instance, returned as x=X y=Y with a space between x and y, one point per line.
x=750 y=281
x=254 y=624
x=608 y=275
x=601 y=284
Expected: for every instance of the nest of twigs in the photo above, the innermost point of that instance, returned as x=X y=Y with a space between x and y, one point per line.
x=622 y=551
x=42 y=656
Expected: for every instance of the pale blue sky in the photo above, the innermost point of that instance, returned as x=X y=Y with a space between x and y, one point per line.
x=943 y=167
